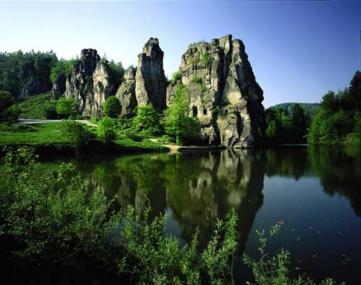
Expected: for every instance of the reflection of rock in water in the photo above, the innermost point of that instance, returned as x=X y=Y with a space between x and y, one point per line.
x=209 y=186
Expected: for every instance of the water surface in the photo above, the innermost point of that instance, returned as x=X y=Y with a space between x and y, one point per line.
x=313 y=192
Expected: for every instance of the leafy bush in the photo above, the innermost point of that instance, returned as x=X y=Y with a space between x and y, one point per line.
x=158 y=258
x=112 y=107
x=77 y=132
x=106 y=129
x=50 y=210
x=147 y=119
x=66 y=107
x=178 y=125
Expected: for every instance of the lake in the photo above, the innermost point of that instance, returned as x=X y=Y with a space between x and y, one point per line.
x=314 y=193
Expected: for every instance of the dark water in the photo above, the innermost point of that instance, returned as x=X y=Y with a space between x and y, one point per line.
x=314 y=193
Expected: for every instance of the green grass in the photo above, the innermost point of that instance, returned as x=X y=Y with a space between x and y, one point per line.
x=38 y=135
x=33 y=107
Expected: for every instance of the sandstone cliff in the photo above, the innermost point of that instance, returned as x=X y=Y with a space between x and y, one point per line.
x=150 y=81
x=90 y=83
x=223 y=92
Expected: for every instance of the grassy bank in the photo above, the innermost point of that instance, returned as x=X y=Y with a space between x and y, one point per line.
x=50 y=137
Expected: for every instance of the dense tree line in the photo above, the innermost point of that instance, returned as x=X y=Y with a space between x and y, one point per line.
x=339 y=117
x=285 y=126
x=26 y=72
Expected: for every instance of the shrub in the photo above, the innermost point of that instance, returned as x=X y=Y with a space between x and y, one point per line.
x=106 y=129
x=147 y=119
x=50 y=210
x=77 y=133
x=274 y=270
x=50 y=110
x=66 y=107
x=205 y=58
x=178 y=125
x=112 y=107
x=176 y=76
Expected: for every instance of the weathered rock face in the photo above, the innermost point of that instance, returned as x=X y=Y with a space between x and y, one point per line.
x=150 y=81
x=89 y=83
x=126 y=93
x=58 y=87
x=223 y=92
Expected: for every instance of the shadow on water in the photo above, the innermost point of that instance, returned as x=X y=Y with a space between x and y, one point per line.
x=196 y=189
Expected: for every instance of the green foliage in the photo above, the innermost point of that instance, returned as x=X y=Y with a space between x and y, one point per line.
x=176 y=76
x=178 y=125
x=161 y=259
x=106 y=129
x=77 y=133
x=6 y=100
x=117 y=73
x=112 y=107
x=50 y=110
x=56 y=215
x=18 y=69
x=147 y=119
x=205 y=58
x=338 y=117
x=35 y=107
x=62 y=66
x=309 y=108
x=37 y=135
x=286 y=127
x=274 y=270
x=66 y=107
x=50 y=210
x=8 y=111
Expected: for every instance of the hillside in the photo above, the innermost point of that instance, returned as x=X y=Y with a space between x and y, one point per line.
x=310 y=108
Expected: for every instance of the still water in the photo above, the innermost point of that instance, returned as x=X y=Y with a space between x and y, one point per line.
x=315 y=193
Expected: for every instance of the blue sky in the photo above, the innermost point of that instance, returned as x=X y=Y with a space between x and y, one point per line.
x=298 y=49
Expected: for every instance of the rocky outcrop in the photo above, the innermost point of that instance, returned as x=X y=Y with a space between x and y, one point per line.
x=90 y=83
x=223 y=92
x=126 y=93
x=58 y=87
x=150 y=81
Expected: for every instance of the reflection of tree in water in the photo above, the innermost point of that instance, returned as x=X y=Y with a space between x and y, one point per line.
x=201 y=187
x=339 y=171
x=288 y=161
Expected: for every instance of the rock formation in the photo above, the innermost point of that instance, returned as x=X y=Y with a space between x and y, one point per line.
x=90 y=83
x=223 y=92
x=150 y=81
x=58 y=87
x=126 y=93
